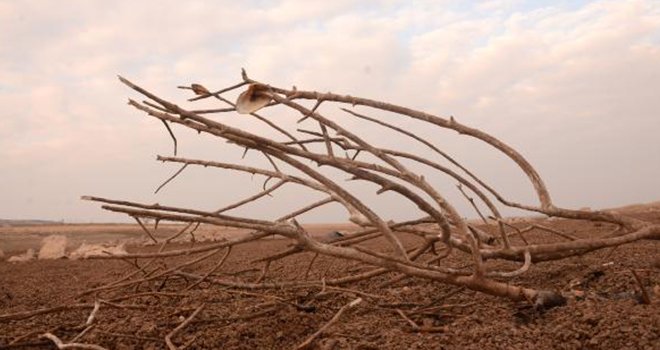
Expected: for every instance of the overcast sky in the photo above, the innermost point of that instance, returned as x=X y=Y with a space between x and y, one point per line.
x=574 y=85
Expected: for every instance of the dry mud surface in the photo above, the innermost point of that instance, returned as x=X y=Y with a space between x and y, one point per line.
x=603 y=310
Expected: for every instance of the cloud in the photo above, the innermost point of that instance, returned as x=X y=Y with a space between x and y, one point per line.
x=572 y=85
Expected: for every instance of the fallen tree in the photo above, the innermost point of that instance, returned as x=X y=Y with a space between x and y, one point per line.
x=444 y=226
x=311 y=154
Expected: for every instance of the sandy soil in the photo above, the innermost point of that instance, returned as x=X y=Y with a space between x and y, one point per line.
x=603 y=311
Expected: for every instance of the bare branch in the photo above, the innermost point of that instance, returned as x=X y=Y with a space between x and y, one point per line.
x=474 y=205
x=169 y=130
x=171 y=177
x=184 y=324
x=332 y=321
x=92 y=315
x=441 y=246
x=61 y=345
x=252 y=198
x=145 y=229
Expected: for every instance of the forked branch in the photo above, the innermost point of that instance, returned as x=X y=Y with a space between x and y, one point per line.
x=312 y=164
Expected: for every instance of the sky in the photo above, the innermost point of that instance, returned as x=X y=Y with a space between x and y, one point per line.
x=573 y=85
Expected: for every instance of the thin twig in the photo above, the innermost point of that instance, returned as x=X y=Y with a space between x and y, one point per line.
x=252 y=198
x=92 y=315
x=60 y=344
x=309 y=266
x=548 y=229
x=412 y=323
x=216 y=93
x=21 y=315
x=184 y=324
x=171 y=178
x=145 y=229
x=326 y=139
x=214 y=110
x=82 y=334
x=318 y=103
x=169 y=130
x=474 y=205
x=264 y=271
x=214 y=269
x=332 y=321
x=16 y=340
x=646 y=299
x=518 y=272
x=262 y=119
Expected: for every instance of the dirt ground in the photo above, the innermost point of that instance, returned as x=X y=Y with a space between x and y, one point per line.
x=603 y=311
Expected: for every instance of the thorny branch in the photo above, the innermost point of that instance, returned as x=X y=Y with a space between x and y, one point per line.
x=444 y=224
x=312 y=165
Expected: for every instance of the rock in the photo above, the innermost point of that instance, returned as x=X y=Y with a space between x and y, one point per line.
x=331 y=236
x=548 y=299
x=53 y=247
x=29 y=255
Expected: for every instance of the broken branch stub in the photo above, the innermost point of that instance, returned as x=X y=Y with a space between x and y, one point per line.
x=441 y=225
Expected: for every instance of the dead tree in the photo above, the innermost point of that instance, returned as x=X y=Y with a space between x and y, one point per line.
x=301 y=158
x=439 y=224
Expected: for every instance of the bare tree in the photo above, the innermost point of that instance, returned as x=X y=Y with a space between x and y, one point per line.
x=442 y=224
x=306 y=155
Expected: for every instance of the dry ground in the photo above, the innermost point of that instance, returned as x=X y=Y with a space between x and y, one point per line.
x=603 y=311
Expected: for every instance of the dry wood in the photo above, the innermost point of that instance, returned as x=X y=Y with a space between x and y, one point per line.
x=332 y=321
x=646 y=299
x=171 y=177
x=443 y=239
x=92 y=315
x=412 y=323
x=31 y=313
x=61 y=345
x=184 y=324
x=82 y=333
x=145 y=229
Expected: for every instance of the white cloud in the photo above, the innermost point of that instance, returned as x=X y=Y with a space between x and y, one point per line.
x=573 y=86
